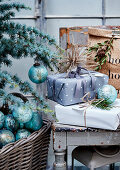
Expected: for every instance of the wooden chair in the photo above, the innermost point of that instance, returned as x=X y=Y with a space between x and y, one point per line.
x=95 y=157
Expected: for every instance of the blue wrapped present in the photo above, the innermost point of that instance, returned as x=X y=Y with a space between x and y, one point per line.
x=67 y=89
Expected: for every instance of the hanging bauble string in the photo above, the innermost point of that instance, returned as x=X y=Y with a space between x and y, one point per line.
x=22 y=133
x=107 y=92
x=35 y=123
x=37 y=73
x=2 y=118
x=10 y=123
x=6 y=137
x=22 y=113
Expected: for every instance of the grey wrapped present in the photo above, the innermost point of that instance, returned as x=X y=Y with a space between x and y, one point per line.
x=68 y=90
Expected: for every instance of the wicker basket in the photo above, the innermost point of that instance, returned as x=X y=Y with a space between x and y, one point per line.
x=28 y=153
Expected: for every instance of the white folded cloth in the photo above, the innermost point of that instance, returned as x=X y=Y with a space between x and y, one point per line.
x=89 y=116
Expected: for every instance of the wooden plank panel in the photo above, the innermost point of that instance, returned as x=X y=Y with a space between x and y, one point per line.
x=113 y=8
x=113 y=21
x=74 y=7
x=93 y=138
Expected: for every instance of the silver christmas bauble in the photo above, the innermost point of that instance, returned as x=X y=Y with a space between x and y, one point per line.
x=108 y=93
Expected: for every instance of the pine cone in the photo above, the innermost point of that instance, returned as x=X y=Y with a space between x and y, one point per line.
x=101 y=53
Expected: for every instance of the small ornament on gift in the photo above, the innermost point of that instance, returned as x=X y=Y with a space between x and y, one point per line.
x=38 y=73
x=106 y=97
x=107 y=92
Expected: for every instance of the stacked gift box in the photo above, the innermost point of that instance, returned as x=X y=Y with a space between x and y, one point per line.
x=69 y=91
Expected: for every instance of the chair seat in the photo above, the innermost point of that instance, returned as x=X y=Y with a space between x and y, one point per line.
x=92 y=158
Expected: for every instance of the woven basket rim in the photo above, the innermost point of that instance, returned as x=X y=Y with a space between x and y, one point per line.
x=9 y=147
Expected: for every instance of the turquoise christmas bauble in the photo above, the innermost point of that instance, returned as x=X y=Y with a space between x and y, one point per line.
x=10 y=123
x=22 y=113
x=108 y=93
x=2 y=118
x=6 y=137
x=38 y=73
x=22 y=133
x=35 y=123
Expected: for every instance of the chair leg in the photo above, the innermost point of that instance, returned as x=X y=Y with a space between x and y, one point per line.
x=112 y=166
x=91 y=168
x=72 y=163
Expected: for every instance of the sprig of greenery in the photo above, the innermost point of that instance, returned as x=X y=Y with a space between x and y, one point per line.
x=102 y=104
x=106 y=46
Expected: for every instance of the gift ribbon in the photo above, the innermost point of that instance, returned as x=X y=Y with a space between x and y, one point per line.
x=85 y=112
x=77 y=74
x=87 y=104
x=53 y=88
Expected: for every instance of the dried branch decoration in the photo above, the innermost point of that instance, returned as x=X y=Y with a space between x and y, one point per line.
x=73 y=58
x=101 y=52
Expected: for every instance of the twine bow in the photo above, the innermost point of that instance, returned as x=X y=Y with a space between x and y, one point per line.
x=73 y=57
x=88 y=104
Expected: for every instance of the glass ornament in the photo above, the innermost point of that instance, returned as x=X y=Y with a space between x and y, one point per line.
x=37 y=73
x=10 y=123
x=2 y=118
x=6 y=136
x=107 y=92
x=22 y=114
x=35 y=123
x=22 y=133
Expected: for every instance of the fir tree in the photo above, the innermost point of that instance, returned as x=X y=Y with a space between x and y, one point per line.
x=18 y=41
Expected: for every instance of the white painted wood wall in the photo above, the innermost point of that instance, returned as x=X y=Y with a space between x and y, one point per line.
x=69 y=13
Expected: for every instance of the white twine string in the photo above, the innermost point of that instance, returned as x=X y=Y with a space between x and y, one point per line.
x=88 y=104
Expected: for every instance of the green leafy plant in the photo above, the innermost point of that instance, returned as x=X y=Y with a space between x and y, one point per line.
x=102 y=52
x=19 y=41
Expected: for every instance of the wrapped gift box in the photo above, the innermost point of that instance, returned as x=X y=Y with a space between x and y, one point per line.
x=68 y=91
x=90 y=117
